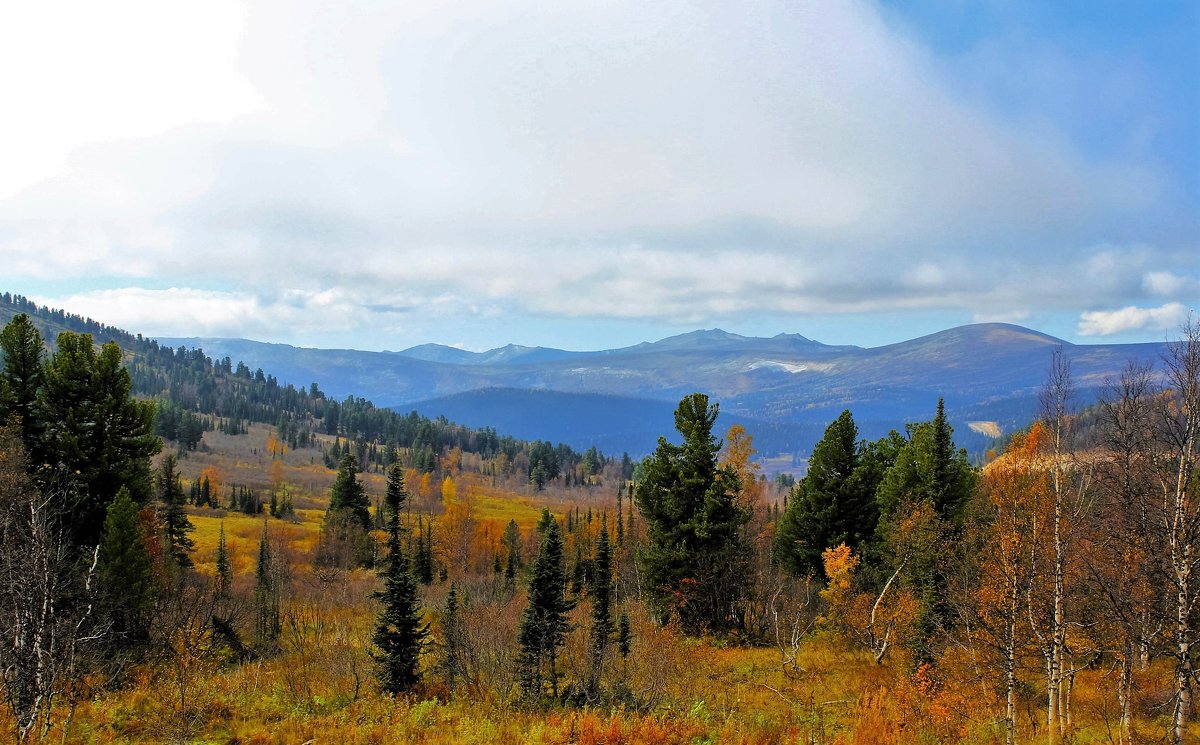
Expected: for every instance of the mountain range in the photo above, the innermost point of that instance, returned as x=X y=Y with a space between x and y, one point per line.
x=784 y=389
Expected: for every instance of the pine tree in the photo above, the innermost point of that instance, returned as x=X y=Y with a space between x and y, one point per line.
x=926 y=470
x=602 y=623
x=424 y=569
x=544 y=622
x=20 y=379
x=620 y=516
x=399 y=633
x=349 y=494
x=97 y=437
x=176 y=524
x=512 y=541
x=267 y=626
x=344 y=538
x=454 y=642
x=125 y=570
x=224 y=566
x=829 y=506
x=928 y=467
x=693 y=563
x=624 y=636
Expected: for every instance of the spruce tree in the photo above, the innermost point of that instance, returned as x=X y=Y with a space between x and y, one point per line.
x=176 y=524
x=224 y=566
x=829 y=506
x=512 y=541
x=928 y=470
x=399 y=633
x=344 y=538
x=97 y=437
x=620 y=518
x=928 y=467
x=692 y=563
x=348 y=493
x=425 y=553
x=454 y=639
x=20 y=379
x=624 y=636
x=544 y=621
x=602 y=622
x=125 y=570
x=267 y=625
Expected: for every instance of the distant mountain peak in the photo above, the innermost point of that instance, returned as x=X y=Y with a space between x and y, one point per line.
x=992 y=333
x=439 y=353
x=791 y=337
x=698 y=335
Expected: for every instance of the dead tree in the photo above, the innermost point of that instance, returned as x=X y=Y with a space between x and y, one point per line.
x=46 y=600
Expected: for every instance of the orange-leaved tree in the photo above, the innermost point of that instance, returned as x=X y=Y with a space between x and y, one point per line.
x=1016 y=485
x=875 y=620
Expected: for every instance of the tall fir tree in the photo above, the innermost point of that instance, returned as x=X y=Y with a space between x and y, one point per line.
x=692 y=563
x=454 y=639
x=224 y=566
x=602 y=623
x=399 y=633
x=125 y=570
x=831 y=505
x=348 y=493
x=97 y=437
x=512 y=542
x=927 y=470
x=22 y=349
x=176 y=524
x=267 y=624
x=928 y=467
x=544 y=622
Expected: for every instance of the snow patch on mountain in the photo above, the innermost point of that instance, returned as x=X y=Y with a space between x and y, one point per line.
x=791 y=367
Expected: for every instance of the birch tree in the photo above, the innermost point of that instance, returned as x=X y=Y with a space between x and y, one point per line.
x=1179 y=513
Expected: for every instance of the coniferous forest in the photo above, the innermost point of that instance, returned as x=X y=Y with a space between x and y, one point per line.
x=193 y=552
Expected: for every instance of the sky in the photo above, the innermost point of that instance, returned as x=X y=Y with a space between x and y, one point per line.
x=589 y=175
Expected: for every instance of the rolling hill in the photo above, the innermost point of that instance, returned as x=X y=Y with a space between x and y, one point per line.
x=784 y=389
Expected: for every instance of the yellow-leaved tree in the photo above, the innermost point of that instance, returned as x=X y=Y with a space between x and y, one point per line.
x=877 y=620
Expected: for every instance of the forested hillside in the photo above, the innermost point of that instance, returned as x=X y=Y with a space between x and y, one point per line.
x=195 y=393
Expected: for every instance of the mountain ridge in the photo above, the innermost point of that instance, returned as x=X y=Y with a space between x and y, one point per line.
x=985 y=372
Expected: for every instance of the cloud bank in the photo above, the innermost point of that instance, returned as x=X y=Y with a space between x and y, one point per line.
x=303 y=169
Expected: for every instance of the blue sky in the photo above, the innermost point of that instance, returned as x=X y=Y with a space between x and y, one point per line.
x=592 y=175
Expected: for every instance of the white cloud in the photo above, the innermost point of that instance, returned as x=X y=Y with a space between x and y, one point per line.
x=212 y=313
x=622 y=160
x=1168 y=284
x=1132 y=318
x=79 y=72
